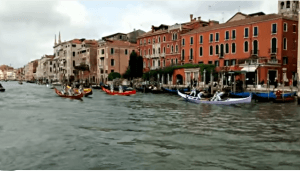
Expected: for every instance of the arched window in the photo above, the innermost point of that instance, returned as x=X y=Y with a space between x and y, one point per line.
x=164 y=38
x=284 y=44
x=164 y=49
x=288 y=3
x=158 y=39
x=282 y=4
x=227 y=48
x=176 y=60
x=211 y=49
x=176 y=48
x=274 y=45
x=148 y=51
x=172 y=49
x=217 y=49
x=255 y=47
x=191 y=53
x=233 y=48
x=182 y=54
x=246 y=46
x=50 y=69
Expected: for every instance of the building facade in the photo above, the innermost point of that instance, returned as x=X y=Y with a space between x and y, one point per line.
x=113 y=56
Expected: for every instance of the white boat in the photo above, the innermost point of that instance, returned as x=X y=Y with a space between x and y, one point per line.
x=50 y=86
x=56 y=84
x=225 y=101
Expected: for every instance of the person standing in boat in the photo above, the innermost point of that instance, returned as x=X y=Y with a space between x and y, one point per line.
x=199 y=95
x=120 y=89
x=111 y=88
x=193 y=92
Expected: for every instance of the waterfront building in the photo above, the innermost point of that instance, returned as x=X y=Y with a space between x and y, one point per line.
x=64 y=54
x=161 y=47
x=262 y=45
x=30 y=70
x=41 y=70
x=113 y=56
x=87 y=56
x=1 y=74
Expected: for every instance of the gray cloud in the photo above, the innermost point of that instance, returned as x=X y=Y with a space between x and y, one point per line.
x=27 y=28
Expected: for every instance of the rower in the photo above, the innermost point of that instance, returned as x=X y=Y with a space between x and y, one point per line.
x=111 y=88
x=217 y=96
x=193 y=92
x=199 y=95
x=120 y=89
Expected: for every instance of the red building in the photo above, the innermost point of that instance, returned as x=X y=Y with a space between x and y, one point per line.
x=161 y=47
x=264 y=46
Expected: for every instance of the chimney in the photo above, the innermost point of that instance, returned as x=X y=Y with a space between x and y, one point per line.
x=212 y=23
x=191 y=17
x=152 y=28
x=199 y=18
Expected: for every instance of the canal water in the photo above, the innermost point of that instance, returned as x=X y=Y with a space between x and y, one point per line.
x=39 y=130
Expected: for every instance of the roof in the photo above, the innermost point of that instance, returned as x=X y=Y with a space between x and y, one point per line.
x=112 y=35
x=236 y=15
x=240 y=22
x=257 y=13
x=150 y=33
x=120 y=43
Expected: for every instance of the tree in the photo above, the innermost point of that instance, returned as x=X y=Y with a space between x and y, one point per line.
x=135 y=68
x=113 y=75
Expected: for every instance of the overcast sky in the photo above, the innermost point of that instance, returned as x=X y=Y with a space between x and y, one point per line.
x=27 y=28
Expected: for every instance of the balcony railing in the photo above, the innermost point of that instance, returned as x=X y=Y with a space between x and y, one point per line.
x=255 y=52
x=273 y=50
x=273 y=61
x=162 y=55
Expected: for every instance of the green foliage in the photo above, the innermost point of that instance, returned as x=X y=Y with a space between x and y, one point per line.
x=113 y=75
x=135 y=68
x=170 y=70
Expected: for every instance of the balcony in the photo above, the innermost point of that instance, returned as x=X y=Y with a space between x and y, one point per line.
x=162 y=55
x=273 y=61
x=273 y=51
x=254 y=52
x=147 y=56
x=101 y=66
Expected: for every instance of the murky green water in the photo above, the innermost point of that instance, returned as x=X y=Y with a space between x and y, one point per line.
x=39 y=130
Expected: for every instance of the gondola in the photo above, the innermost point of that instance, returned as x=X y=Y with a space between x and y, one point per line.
x=228 y=101
x=125 y=93
x=78 y=96
x=271 y=96
x=239 y=94
x=174 y=91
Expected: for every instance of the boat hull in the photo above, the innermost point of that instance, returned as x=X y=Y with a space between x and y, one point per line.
x=229 y=101
x=79 y=96
x=126 y=93
x=174 y=91
x=2 y=90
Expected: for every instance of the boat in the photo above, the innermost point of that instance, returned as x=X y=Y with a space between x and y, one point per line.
x=2 y=89
x=280 y=97
x=125 y=93
x=239 y=94
x=56 y=84
x=174 y=91
x=271 y=96
x=78 y=96
x=86 y=91
x=228 y=101
x=20 y=82
x=143 y=89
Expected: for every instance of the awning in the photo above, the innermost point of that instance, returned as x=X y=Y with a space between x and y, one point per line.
x=249 y=68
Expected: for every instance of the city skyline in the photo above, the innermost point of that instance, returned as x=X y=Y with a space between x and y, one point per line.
x=28 y=27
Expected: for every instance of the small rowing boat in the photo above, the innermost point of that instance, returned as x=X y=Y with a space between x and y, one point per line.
x=125 y=93
x=228 y=101
x=86 y=91
x=78 y=96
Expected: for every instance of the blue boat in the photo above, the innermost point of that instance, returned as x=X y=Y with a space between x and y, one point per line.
x=271 y=95
x=174 y=91
x=240 y=94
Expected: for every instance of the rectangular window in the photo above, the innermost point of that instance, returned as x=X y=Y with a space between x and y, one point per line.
x=211 y=49
x=226 y=63
x=284 y=43
x=211 y=37
x=246 y=33
x=201 y=62
x=233 y=34
x=274 y=28
x=73 y=54
x=285 y=27
x=233 y=48
x=183 y=42
x=192 y=40
x=217 y=37
x=73 y=45
x=209 y=62
x=285 y=60
x=201 y=39
x=112 y=62
x=294 y=28
x=233 y=62
x=227 y=35
x=255 y=31
x=201 y=51
x=217 y=63
x=126 y=52
x=112 y=51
